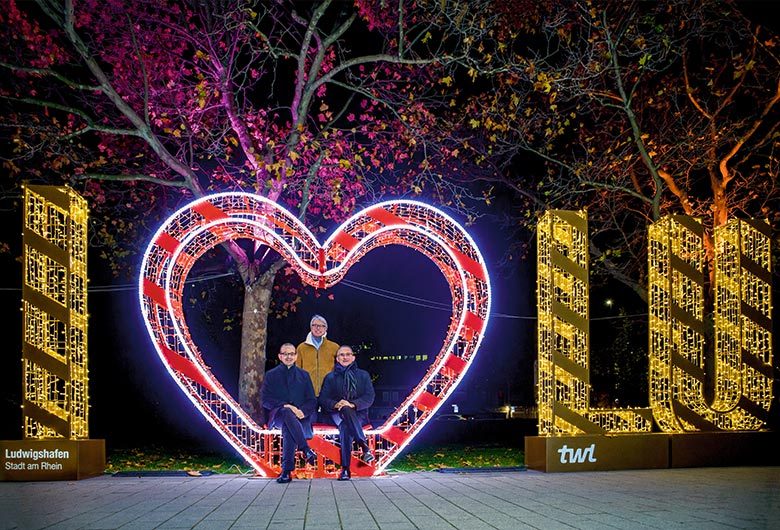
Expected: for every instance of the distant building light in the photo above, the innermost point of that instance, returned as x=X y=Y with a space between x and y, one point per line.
x=417 y=357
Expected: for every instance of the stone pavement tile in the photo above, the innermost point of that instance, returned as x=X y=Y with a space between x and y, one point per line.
x=191 y=515
x=576 y=508
x=544 y=510
x=319 y=513
x=260 y=510
x=612 y=520
x=431 y=523
x=519 y=513
x=389 y=516
x=282 y=517
x=160 y=515
x=589 y=524
x=468 y=505
x=496 y=518
x=178 y=523
x=286 y=525
x=353 y=512
x=652 y=520
x=322 y=514
x=450 y=513
x=514 y=525
x=256 y=521
x=227 y=511
x=543 y=523
x=332 y=520
x=97 y=520
x=711 y=525
x=195 y=511
x=11 y=518
x=214 y=524
x=734 y=518
x=70 y=524
x=417 y=511
x=138 y=525
x=404 y=497
x=143 y=509
x=468 y=522
x=360 y=523
x=697 y=498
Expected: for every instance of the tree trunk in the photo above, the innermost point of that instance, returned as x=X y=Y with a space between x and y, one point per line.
x=254 y=339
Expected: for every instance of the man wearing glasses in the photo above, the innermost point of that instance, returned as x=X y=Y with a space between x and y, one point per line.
x=347 y=393
x=316 y=354
x=289 y=400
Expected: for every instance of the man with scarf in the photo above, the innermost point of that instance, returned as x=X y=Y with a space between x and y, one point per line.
x=289 y=400
x=346 y=394
x=317 y=354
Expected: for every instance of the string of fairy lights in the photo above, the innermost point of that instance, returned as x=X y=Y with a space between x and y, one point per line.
x=363 y=287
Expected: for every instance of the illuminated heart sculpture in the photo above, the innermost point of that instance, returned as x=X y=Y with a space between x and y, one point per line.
x=209 y=221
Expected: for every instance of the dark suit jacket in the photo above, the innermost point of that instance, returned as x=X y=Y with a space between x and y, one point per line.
x=292 y=385
x=333 y=391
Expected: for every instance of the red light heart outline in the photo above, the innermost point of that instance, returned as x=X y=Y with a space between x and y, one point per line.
x=211 y=220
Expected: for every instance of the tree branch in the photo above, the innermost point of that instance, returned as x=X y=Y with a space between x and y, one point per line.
x=144 y=130
x=91 y=125
x=131 y=178
x=52 y=73
x=727 y=175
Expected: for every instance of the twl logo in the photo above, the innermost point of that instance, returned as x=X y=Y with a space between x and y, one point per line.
x=570 y=455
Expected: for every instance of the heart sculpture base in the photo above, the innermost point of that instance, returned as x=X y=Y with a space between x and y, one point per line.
x=212 y=220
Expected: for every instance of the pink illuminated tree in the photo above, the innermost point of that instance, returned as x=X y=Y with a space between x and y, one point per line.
x=145 y=105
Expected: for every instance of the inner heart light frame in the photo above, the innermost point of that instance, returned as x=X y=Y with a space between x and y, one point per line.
x=209 y=221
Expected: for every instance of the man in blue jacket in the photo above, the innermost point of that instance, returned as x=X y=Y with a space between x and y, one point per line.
x=346 y=394
x=289 y=400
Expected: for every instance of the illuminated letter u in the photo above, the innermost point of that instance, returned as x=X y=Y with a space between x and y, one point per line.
x=743 y=337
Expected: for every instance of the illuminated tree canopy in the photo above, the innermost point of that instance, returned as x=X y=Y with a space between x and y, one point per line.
x=632 y=111
x=317 y=105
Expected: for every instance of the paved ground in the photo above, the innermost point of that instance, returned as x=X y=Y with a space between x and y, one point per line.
x=683 y=498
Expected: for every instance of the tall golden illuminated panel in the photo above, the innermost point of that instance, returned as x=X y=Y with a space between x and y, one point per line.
x=54 y=352
x=743 y=336
x=564 y=335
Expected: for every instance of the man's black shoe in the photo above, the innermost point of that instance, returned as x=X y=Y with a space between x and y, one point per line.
x=311 y=457
x=367 y=456
x=344 y=475
x=284 y=478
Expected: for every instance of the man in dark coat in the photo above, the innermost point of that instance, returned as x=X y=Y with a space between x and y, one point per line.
x=289 y=400
x=346 y=394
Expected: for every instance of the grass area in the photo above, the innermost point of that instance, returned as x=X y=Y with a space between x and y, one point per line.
x=429 y=458
x=156 y=459
x=422 y=459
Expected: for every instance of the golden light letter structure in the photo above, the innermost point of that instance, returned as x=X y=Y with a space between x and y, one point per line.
x=564 y=335
x=573 y=436
x=743 y=326
x=54 y=354
x=55 y=408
